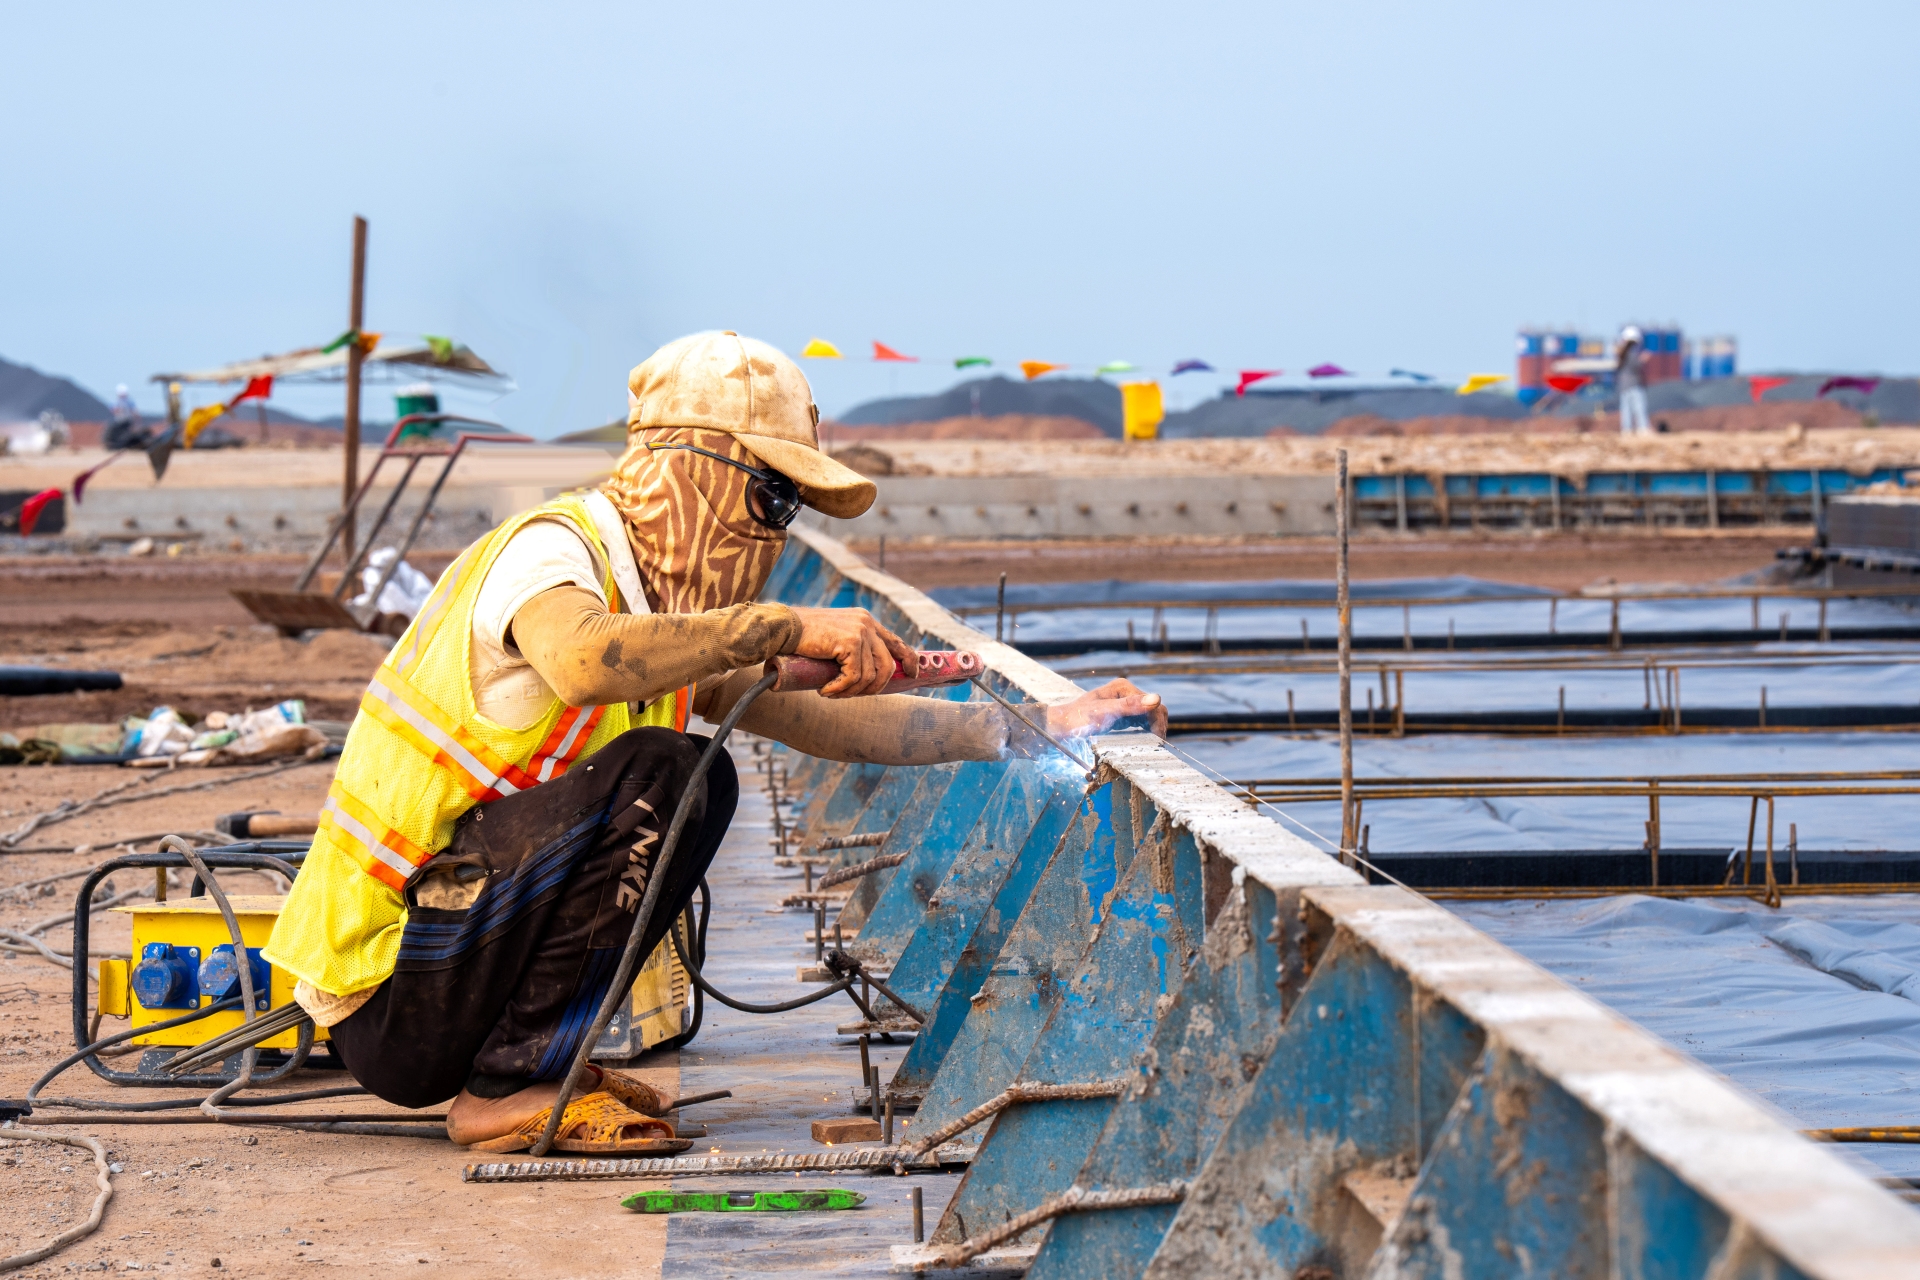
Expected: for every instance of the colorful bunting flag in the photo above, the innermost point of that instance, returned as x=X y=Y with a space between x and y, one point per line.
x=1250 y=376
x=1480 y=382
x=260 y=388
x=881 y=351
x=820 y=349
x=1568 y=383
x=30 y=509
x=80 y=481
x=1115 y=366
x=197 y=422
x=1191 y=366
x=1408 y=373
x=969 y=362
x=1757 y=387
x=442 y=348
x=1034 y=368
x=1864 y=386
x=1328 y=371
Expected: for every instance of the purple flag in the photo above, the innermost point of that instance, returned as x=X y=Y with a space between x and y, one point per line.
x=1864 y=386
x=1328 y=371
x=1192 y=366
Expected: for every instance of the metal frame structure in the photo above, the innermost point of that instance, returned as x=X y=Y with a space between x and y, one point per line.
x=299 y=608
x=1317 y=1077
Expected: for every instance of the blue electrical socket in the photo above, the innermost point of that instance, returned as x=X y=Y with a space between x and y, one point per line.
x=220 y=977
x=167 y=977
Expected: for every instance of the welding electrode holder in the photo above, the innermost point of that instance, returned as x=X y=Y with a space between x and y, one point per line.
x=936 y=667
x=283 y=857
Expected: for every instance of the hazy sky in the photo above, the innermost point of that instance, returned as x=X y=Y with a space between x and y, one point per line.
x=565 y=186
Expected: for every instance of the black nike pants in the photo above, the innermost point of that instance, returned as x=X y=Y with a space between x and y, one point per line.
x=501 y=994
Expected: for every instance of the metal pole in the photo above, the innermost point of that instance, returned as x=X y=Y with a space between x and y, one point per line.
x=1000 y=610
x=350 y=474
x=1344 y=603
x=919 y=1217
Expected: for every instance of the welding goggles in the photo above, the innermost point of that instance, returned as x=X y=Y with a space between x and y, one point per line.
x=772 y=499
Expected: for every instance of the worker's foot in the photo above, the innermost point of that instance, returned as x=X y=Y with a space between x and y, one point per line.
x=474 y=1119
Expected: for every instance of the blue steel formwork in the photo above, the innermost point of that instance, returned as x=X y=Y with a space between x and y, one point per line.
x=1341 y=1079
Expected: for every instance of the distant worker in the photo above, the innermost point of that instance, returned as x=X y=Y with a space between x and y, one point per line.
x=123 y=429
x=1629 y=377
x=502 y=794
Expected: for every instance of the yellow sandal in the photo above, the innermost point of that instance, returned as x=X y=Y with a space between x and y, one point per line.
x=597 y=1123
x=635 y=1093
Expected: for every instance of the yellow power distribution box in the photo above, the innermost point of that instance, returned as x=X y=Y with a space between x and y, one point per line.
x=182 y=952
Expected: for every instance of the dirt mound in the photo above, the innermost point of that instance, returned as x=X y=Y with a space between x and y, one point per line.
x=1006 y=426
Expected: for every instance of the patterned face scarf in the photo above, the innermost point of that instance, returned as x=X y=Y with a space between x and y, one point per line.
x=694 y=540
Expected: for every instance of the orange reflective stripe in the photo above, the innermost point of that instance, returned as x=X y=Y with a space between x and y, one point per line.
x=382 y=852
x=570 y=733
x=682 y=704
x=429 y=730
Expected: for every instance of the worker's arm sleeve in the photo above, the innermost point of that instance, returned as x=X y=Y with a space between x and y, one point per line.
x=892 y=728
x=591 y=658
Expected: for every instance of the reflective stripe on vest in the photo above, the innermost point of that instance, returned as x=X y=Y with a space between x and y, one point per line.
x=570 y=733
x=420 y=755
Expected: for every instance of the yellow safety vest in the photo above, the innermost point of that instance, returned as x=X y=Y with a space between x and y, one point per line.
x=417 y=757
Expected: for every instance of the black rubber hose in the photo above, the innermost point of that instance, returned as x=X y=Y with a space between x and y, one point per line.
x=121 y=1036
x=643 y=917
x=182 y=1104
x=700 y=983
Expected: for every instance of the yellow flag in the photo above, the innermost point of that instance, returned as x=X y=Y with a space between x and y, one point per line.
x=1141 y=410
x=1480 y=382
x=820 y=349
x=197 y=422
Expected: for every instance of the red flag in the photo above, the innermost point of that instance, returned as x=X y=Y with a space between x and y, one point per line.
x=30 y=509
x=1250 y=376
x=1758 y=387
x=1568 y=383
x=881 y=351
x=256 y=389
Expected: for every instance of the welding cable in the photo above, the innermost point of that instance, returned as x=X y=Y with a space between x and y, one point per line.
x=179 y=1104
x=242 y=963
x=813 y=997
x=120 y=1037
x=697 y=935
x=643 y=917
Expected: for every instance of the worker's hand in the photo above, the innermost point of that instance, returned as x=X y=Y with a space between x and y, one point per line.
x=867 y=652
x=1095 y=712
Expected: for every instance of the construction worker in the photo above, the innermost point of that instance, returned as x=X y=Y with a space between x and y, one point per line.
x=491 y=827
x=1630 y=380
x=123 y=427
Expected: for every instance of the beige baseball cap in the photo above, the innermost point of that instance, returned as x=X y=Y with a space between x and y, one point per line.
x=724 y=382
